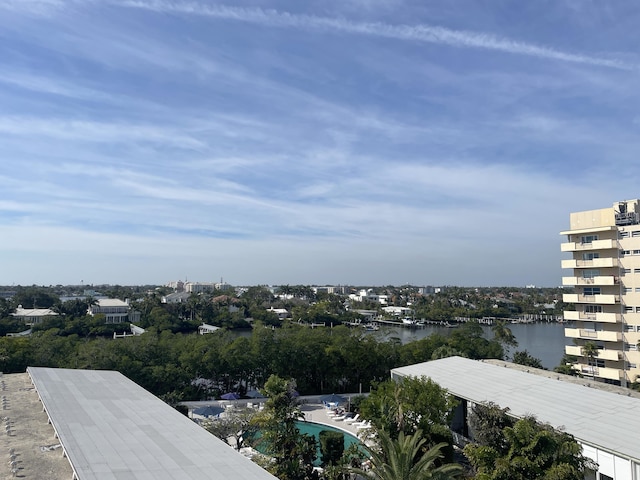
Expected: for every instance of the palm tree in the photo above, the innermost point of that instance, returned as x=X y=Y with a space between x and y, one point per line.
x=406 y=459
x=590 y=350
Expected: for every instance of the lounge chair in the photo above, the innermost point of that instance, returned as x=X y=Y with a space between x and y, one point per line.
x=354 y=419
x=343 y=417
x=363 y=425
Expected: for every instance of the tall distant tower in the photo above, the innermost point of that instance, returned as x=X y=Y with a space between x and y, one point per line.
x=605 y=249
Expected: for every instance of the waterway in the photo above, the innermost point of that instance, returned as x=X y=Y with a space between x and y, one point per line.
x=545 y=341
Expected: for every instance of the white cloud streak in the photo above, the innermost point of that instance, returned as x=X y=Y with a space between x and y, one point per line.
x=416 y=33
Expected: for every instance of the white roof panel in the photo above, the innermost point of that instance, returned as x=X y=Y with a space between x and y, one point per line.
x=607 y=420
x=112 y=428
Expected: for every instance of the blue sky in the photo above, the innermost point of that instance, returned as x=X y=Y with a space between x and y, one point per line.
x=342 y=142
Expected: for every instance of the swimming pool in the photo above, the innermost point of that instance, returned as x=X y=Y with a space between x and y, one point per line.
x=311 y=428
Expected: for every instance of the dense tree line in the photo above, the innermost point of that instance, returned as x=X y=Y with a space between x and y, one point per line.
x=187 y=365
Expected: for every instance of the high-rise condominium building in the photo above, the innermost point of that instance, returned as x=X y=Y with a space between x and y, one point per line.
x=605 y=249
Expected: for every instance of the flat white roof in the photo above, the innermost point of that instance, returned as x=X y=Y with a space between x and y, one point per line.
x=609 y=421
x=112 y=302
x=111 y=428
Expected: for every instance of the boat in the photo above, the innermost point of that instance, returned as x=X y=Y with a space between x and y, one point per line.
x=371 y=327
x=408 y=321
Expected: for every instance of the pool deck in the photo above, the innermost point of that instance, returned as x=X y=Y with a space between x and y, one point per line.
x=317 y=413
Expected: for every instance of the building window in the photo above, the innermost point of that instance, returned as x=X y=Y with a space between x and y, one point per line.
x=593 y=309
x=626 y=270
x=629 y=328
x=636 y=252
x=590 y=255
x=637 y=309
x=637 y=289
x=599 y=363
x=628 y=309
x=635 y=233
x=590 y=273
x=591 y=291
x=588 y=238
x=623 y=234
x=628 y=290
x=625 y=252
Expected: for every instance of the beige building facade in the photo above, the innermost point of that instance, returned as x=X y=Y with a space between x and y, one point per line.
x=605 y=249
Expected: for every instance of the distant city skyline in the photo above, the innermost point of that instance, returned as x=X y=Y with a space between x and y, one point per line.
x=378 y=142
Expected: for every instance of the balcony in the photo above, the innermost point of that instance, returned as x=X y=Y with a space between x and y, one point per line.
x=600 y=280
x=595 y=245
x=600 y=317
x=599 y=299
x=593 y=334
x=595 y=263
x=603 y=354
x=599 y=372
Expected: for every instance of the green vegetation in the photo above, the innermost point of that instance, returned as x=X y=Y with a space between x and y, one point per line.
x=410 y=419
x=405 y=458
x=524 y=449
x=410 y=405
x=292 y=453
x=525 y=358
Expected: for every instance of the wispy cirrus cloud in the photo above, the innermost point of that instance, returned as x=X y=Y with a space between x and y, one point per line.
x=416 y=33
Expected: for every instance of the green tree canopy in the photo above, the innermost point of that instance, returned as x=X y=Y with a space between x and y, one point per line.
x=522 y=450
x=406 y=458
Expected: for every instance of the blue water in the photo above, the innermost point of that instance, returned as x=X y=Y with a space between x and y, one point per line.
x=545 y=341
x=311 y=428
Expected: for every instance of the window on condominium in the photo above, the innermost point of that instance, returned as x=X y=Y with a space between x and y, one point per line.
x=600 y=363
x=593 y=309
x=631 y=365
x=628 y=289
x=629 y=328
x=588 y=238
x=624 y=271
x=590 y=273
x=625 y=252
x=636 y=270
x=590 y=255
x=635 y=234
x=623 y=235
x=591 y=291
x=628 y=309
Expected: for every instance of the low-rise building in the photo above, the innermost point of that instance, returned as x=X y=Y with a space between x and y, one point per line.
x=602 y=418
x=33 y=316
x=206 y=328
x=114 y=310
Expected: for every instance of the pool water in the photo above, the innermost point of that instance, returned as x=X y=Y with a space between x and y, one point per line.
x=311 y=428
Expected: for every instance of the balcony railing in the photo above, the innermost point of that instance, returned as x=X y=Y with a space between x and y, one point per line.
x=603 y=354
x=599 y=280
x=595 y=245
x=600 y=372
x=604 y=336
x=601 y=298
x=595 y=263
x=602 y=317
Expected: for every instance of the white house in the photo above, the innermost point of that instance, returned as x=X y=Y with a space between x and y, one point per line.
x=282 y=313
x=114 y=310
x=398 y=311
x=206 y=328
x=368 y=295
x=33 y=316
